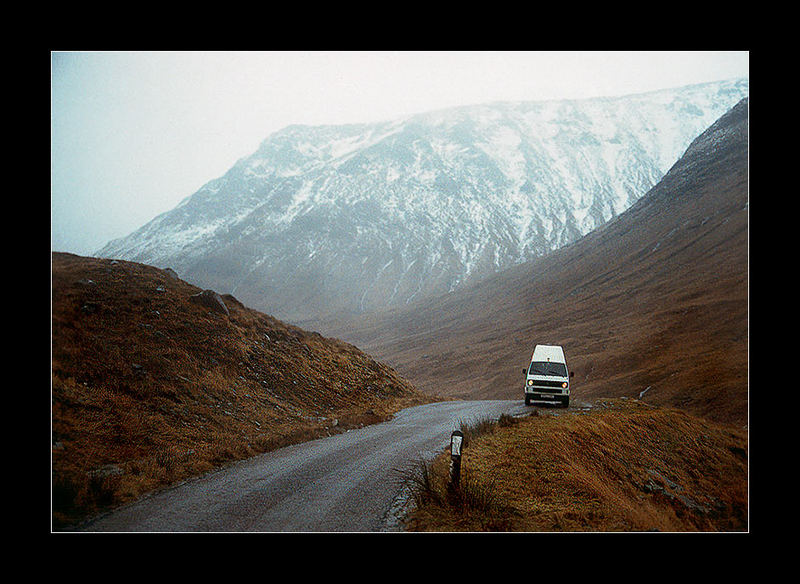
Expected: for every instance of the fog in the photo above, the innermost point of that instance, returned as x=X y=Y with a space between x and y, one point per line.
x=134 y=133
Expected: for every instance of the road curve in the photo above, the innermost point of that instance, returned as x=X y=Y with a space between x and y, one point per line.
x=343 y=483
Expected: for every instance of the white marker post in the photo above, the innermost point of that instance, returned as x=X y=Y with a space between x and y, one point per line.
x=456 y=439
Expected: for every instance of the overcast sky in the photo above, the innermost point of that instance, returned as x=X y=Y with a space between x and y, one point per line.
x=133 y=133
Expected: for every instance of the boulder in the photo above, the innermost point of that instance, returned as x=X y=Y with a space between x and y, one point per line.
x=210 y=300
x=171 y=273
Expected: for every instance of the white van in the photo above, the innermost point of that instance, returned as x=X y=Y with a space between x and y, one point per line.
x=547 y=377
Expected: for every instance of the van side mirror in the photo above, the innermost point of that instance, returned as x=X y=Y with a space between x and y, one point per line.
x=572 y=374
x=524 y=371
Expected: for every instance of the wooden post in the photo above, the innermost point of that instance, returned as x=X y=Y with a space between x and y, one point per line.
x=456 y=439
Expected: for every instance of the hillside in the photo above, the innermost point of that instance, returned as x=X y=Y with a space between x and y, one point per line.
x=620 y=465
x=154 y=381
x=652 y=304
x=361 y=217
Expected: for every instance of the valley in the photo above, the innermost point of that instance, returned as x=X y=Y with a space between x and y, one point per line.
x=655 y=302
x=160 y=386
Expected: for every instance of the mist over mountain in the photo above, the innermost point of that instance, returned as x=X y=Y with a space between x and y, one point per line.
x=348 y=219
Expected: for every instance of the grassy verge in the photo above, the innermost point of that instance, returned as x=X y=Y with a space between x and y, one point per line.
x=475 y=504
x=623 y=466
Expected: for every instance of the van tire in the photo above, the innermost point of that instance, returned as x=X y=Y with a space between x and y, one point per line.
x=565 y=402
x=527 y=400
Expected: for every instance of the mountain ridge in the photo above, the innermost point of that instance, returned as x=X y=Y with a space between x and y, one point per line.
x=330 y=219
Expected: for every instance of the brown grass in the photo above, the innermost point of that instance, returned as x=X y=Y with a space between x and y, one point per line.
x=623 y=466
x=149 y=388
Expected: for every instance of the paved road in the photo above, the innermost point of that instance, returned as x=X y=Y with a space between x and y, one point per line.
x=344 y=483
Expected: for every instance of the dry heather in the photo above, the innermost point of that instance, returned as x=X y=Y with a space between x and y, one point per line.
x=621 y=466
x=150 y=387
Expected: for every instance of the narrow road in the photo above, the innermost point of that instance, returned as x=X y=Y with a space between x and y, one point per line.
x=344 y=483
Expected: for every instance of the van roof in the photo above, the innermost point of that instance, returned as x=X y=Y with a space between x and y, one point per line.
x=548 y=353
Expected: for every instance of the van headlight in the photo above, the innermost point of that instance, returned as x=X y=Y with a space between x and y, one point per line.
x=564 y=385
x=530 y=382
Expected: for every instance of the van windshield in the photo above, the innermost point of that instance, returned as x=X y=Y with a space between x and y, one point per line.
x=547 y=368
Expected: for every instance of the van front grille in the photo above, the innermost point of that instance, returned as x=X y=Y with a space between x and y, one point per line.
x=542 y=383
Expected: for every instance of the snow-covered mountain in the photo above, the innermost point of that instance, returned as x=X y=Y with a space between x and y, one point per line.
x=367 y=216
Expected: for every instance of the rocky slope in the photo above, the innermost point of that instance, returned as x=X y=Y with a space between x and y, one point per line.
x=155 y=380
